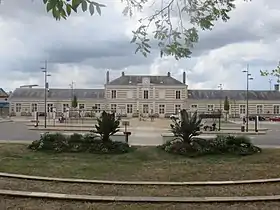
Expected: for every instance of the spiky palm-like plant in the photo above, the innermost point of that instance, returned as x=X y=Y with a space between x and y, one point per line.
x=187 y=126
x=106 y=126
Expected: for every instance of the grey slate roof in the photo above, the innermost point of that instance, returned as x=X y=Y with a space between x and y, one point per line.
x=234 y=94
x=39 y=93
x=3 y=93
x=135 y=79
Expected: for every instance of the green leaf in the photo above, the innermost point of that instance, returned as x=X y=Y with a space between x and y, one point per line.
x=84 y=6
x=133 y=39
x=76 y=4
x=49 y=7
x=98 y=9
x=68 y=9
x=55 y=13
x=45 y=1
x=91 y=9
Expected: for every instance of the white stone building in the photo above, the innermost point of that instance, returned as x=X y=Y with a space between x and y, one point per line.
x=132 y=94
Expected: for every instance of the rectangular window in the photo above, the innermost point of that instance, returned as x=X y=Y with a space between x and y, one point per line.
x=50 y=108
x=65 y=107
x=177 y=108
x=161 y=109
x=145 y=108
x=34 y=108
x=146 y=94
x=113 y=107
x=178 y=94
x=129 y=109
x=18 y=107
x=97 y=107
x=210 y=107
x=276 y=109
x=259 y=109
x=242 y=109
x=81 y=106
x=113 y=94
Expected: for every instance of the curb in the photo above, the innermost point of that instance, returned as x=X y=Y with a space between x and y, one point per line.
x=138 y=144
x=5 y=121
x=108 y=182
x=16 y=141
x=137 y=199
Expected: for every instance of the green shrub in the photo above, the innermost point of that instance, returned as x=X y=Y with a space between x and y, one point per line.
x=234 y=145
x=78 y=143
x=50 y=142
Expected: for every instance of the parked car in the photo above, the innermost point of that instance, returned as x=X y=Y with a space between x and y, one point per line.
x=275 y=119
x=261 y=118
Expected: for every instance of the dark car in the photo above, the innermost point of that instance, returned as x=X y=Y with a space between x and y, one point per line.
x=253 y=118
x=275 y=119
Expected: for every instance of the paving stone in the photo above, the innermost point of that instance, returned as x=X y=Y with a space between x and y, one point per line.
x=137 y=199
x=19 y=176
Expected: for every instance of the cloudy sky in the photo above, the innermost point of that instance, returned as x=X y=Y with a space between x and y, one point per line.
x=82 y=48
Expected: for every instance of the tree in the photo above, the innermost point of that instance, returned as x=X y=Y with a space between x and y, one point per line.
x=173 y=39
x=274 y=72
x=107 y=126
x=187 y=127
x=74 y=102
x=226 y=106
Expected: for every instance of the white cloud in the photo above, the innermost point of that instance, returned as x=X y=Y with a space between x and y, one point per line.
x=83 y=47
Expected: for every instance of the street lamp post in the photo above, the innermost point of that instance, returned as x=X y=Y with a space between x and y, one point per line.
x=270 y=84
x=46 y=86
x=72 y=90
x=220 y=86
x=248 y=78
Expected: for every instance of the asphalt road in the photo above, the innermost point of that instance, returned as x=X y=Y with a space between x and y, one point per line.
x=19 y=131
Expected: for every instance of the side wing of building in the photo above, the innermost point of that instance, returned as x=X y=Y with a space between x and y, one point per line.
x=26 y=101
x=262 y=102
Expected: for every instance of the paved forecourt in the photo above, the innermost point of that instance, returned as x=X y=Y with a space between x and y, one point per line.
x=141 y=135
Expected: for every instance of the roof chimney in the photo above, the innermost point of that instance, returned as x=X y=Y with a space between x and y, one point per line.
x=184 y=77
x=168 y=74
x=107 y=77
x=122 y=73
x=276 y=87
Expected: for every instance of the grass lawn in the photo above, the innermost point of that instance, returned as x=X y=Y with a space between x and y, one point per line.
x=146 y=163
x=143 y=164
x=31 y=204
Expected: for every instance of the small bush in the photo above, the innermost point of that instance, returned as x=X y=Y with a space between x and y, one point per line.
x=234 y=145
x=50 y=142
x=78 y=143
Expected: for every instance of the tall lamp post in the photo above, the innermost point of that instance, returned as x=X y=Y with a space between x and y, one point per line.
x=46 y=86
x=270 y=84
x=220 y=86
x=248 y=78
x=72 y=90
